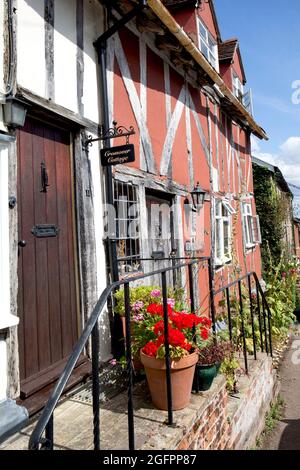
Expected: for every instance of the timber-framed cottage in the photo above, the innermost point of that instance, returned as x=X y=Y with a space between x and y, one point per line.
x=164 y=70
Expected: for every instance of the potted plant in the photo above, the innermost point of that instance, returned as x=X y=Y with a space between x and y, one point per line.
x=183 y=355
x=140 y=298
x=208 y=365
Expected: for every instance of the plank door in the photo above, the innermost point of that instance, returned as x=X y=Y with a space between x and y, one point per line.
x=47 y=301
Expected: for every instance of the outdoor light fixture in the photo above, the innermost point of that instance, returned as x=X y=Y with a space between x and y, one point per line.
x=198 y=195
x=14 y=112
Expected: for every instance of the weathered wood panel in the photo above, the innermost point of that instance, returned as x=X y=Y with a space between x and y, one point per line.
x=47 y=294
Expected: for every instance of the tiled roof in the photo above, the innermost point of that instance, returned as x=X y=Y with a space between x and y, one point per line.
x=227 y=49
x=178 y=2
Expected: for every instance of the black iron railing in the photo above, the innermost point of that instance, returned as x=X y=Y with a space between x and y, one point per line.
x=43 y=434
x=258 y=307
x=45 y=425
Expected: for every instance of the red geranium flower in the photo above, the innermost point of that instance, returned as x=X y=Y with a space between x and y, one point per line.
x=150 y=349
x=204 y=333
x=158 y=309
x=159 y=328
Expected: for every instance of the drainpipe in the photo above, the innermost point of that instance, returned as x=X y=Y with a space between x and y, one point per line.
x=101 y=46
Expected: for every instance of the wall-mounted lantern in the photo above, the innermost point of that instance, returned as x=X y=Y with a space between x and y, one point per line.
x=14 y=112
x=198 y=195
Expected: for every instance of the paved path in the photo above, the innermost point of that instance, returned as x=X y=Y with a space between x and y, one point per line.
x=286 y=435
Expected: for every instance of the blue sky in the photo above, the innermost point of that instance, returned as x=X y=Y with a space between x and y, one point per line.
x=268 y=32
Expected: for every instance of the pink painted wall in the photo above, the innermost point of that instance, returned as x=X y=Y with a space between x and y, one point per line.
x=228 y=143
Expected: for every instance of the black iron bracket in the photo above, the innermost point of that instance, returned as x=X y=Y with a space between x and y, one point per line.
x=100 y=42
x=111 y=133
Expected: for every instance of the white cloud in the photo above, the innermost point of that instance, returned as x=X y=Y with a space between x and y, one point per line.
x=290 y=149
x=287 y=159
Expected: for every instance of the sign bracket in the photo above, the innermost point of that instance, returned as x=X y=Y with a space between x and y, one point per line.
x=107 y=134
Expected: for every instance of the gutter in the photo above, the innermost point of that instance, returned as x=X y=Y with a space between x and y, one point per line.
x=174 y=28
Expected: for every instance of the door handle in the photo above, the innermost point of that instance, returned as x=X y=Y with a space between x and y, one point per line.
x=22 y=243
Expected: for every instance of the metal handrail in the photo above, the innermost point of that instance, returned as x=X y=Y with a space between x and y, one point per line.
x=90 y=328
x=45 y=422
x=265 y=328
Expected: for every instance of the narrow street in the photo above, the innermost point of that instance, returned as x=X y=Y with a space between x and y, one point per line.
x=286 y=435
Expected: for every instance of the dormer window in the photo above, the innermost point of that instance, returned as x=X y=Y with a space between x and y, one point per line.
x=208 y=46
x=238 y=88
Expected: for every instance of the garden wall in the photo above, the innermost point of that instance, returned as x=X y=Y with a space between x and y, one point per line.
x=233 y=422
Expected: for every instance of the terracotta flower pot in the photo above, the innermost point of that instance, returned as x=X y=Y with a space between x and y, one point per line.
x=182 y=373
x=123 y=320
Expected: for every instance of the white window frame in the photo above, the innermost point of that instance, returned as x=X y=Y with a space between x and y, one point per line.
x=250 y=238
x=257 y=241
x=238 y=87
x=205 y=37
x=221 y=257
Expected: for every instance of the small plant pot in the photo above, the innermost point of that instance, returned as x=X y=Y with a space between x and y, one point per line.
x=123 y=320
x=182 y=373
x=137 y=364
x=203 y=378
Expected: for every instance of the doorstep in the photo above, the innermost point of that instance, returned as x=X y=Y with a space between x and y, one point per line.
x=204 y=424
x=74 y=417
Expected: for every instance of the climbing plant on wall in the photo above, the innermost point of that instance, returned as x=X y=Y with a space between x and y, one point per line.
x=272 y=206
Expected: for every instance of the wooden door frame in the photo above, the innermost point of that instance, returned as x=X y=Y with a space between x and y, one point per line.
x=84 y=265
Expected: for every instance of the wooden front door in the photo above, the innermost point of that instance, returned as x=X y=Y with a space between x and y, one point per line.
x=47 y=255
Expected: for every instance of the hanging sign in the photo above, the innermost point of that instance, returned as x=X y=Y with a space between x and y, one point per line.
x=118 y=155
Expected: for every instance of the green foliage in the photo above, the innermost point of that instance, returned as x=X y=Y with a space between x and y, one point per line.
x=142 y=332
x=143 y=294
x=281 y=296
x=229 y=367
x=175 y=352
x=272 y=207
x=236 y=320
x=272 y=417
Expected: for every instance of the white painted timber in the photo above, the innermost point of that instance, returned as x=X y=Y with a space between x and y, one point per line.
x=189 y=143
x=135 y=103
x=2 y=85
x=179 y=233
x=105 y=345
x=110 y=60
x=143 y=95
x=170 y=138
x=3 y=369
x=6 y=319
x=65 y=54
x=31 y=69
x=144 y=236
x=4 y=234
x=92 y=29
x=249 y=173
x=217 y=140
x=199 y=128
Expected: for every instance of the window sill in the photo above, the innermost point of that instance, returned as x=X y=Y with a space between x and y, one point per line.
x=222 y=264
x=250 y=247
